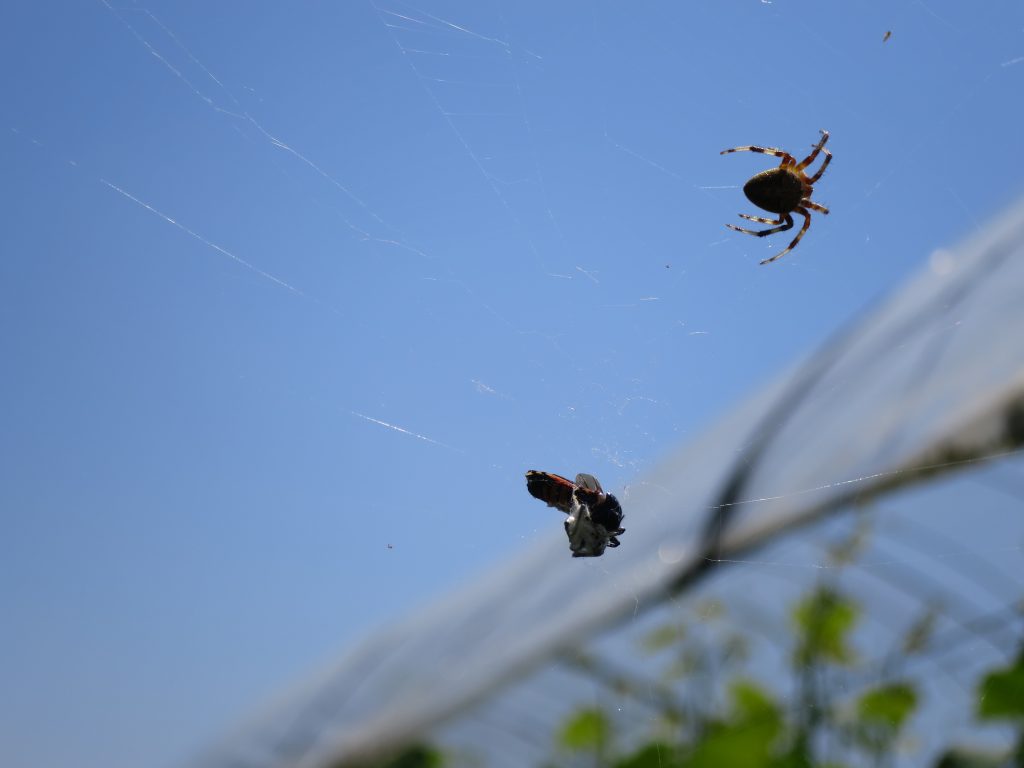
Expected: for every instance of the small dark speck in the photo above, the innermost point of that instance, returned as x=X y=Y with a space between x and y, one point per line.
x=887 y=35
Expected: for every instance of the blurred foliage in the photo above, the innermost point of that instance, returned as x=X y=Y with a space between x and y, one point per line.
x=823 y=621
x=881 y=714
x=415 y=756
x=836 y=714
x=962 y=758
x=746 y=737
x=586 y=730
x=888 y=706
x=707 y=712
x=1001 y=696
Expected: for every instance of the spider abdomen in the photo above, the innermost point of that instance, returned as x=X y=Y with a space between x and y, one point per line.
x=778 y=190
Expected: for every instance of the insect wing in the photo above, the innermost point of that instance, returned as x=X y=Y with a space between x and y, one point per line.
x=588 y=490
x=554 y=490
x=588 y=482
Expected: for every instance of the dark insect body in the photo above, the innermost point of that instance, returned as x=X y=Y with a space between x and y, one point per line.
x=782 y=191
x=594 y=517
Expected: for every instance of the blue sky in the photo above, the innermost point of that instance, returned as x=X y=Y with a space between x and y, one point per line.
x=295 y=293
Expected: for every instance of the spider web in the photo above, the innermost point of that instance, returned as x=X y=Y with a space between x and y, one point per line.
x=298 y=296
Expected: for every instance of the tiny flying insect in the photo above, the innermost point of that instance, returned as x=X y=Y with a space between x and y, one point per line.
x=594 y=518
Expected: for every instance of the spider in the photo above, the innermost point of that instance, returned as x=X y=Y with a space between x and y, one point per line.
x=783 y=190
x=594 y=517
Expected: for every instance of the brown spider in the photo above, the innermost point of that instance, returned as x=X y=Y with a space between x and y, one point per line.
x=783 y=190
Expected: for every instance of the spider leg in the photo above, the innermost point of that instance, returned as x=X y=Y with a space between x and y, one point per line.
x=788 y=224
x=814 y=153
x=791 y=246
x=787 y=159
x=828 y=159
x=815 y=206
x=763 y=220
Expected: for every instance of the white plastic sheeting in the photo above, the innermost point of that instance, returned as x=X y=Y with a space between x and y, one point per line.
x=932 y=379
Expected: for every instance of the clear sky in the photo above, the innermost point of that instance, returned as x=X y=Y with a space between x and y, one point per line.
x=294 y=293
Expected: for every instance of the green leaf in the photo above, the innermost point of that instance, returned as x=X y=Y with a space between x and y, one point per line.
x=586 y=730
x=799 y=758
x=653 y=755
x=889 y=705
x=1001 y=696
x=748 y=739
x=880 y=714
x=747 y=745
x=824 y=620
x=751 y=702
x=961 y=758
x=417 y=756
